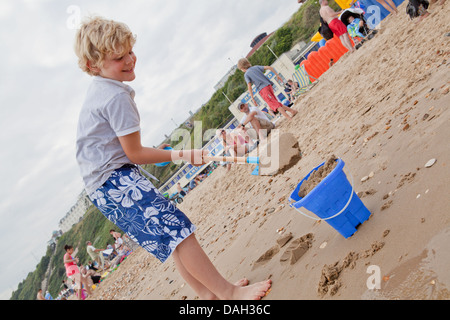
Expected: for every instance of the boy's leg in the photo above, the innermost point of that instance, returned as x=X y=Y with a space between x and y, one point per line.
x=283 y=110
x=292 y=111
x=198 y=269
x=203 y=292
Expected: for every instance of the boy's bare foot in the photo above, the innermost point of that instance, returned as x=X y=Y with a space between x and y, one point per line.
x=253 y=292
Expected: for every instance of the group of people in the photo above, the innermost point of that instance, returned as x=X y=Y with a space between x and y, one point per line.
x=241 y=141
x=352 y=26
x=80 y=279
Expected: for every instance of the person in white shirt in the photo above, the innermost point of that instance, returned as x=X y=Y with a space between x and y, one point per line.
x=95 y=254
x=257 y=119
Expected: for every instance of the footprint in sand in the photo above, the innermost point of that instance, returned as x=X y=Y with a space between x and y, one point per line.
x=297 y=249
x=266 y=256
x=293 y=252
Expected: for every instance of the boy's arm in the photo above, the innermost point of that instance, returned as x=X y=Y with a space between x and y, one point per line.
x=250 y=90
x=138 y=154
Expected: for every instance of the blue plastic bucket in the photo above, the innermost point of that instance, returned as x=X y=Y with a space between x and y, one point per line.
x=163 y=164
x=333 y=200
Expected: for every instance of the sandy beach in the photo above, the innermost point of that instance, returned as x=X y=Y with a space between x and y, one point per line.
x=385 y=111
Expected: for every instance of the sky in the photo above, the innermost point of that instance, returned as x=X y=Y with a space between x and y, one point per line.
x=183 y=49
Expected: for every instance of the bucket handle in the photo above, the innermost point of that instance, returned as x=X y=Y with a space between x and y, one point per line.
x=333 y=216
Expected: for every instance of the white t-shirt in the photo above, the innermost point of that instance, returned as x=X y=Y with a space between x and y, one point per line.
x=108 y=112
x=91 y=251
x=259 y=114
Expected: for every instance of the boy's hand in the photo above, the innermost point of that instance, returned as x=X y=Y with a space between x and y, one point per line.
x=163 y=146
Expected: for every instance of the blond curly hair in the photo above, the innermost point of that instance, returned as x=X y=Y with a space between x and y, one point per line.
x=98 y=38
x=243 y=64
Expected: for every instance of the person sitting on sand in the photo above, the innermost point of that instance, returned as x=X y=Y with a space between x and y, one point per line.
x=118 y=244
x=92 y=277
x=255 y=75
x=353 y=27
x=233 y=143
x=257 y=119
x=180 y=190
x=336 y=25
x=291 y=88
x=418 y=9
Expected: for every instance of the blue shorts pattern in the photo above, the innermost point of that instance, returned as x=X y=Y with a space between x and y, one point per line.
x=133 y=204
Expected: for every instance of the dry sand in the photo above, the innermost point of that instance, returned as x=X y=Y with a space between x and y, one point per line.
x=385 y=111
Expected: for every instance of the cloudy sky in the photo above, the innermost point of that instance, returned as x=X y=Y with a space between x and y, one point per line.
x=183 y=49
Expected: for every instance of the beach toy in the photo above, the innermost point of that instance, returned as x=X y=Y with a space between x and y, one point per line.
x=325 y=52
x=163 y=164
x=317 y=37
x=333 y=200
x=279 y=154
x=311 y=69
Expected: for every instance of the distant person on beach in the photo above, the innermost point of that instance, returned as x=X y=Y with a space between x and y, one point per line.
x=291 y=88
x=353 y=27
x=257 y=119
x=48 y=296
x=417 y=9
x=108 y=149
x=73 y=273
x=118 y=244
x=92 y=277
x=39 y=295
x=180 y=190
x=233 y=144
x=336 y=25
x=95 y=254
x=255 y=75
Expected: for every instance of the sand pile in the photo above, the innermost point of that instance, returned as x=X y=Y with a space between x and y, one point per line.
x=317 y=176
x=385 y=111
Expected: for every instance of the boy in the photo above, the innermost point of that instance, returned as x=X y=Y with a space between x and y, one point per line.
x=109 y=146
x=255 y=75
x=336 y=25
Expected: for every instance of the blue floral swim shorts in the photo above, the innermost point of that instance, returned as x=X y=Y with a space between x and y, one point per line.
x=132 y=203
